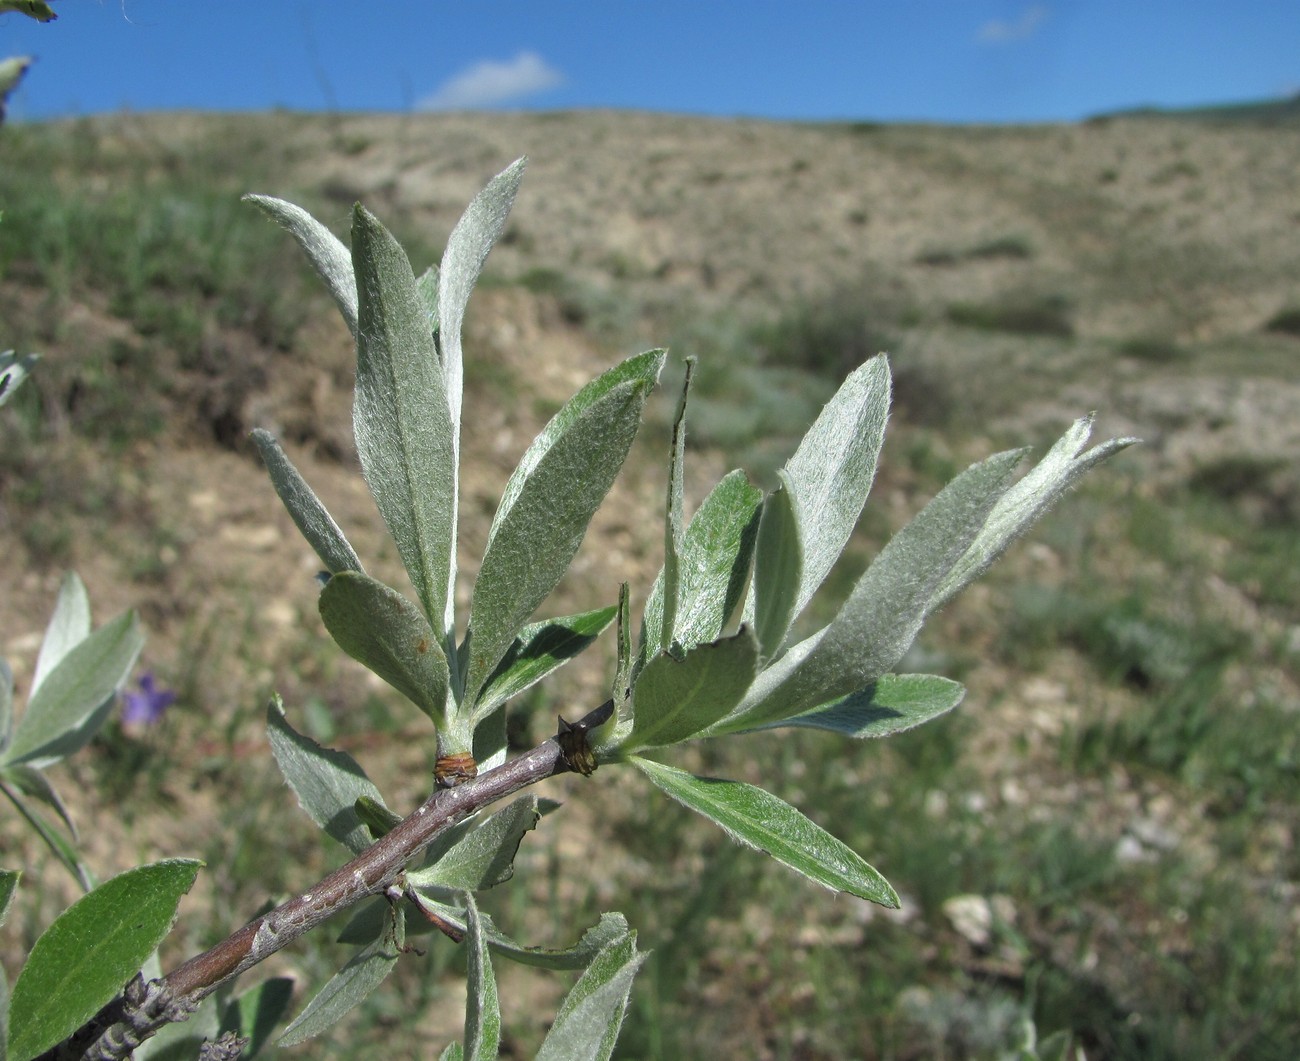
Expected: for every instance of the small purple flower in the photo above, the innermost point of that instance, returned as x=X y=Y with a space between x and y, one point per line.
x=146 y=707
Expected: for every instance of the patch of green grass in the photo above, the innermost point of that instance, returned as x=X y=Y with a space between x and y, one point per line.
x=1285 y=321
x=1020 y=315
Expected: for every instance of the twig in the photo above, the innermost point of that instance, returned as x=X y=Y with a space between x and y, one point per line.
x=376 y=870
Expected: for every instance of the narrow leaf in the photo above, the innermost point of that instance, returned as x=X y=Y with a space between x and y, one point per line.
x=674 y=518
x=327 y=783
x=377 y=626
x=534 y=544
x=326 y=252
x=34 y=783
x=756 y=818
x=484 y=856
x=37 y=9
x=482 y=1010
x=69 y=625
x=351 y=985
x=452 y=1052
x=778 y=568
x=52 y=838
x=74 y=698
x=1025 y=502
x=609 y=927
x=426 y=284
x=462 y=261
x=404 y=432
x=895 y=703
x=91 y=950
x=831 y=472
x=715 y=559
x=883 y=614
x=310 y=515
x=539 y=649
x=676 y=699
x=8 y=887
x=643 y=368
x=621 y=690
x=589 y=1018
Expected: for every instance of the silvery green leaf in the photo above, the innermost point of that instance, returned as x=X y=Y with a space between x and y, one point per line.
x=643 y=368
x=69 y=625
x=831 y=472
x=609 y=927
x=310 y=515
x=327 y=783
x=426 y=284
x=13 y=370
x=538 y=650
x=589 y=1018
x=756 y=818
x=483 y=856
x=676 y=699
x=883 y=614
x=482 y=1010
x=462 y=261
x=352 y=984
x=894 y=703
x=621 y=690
x=532 y=546
x=90 y=950
x=76 y=695
x=8 y=887
x=490 y=741
x=714 y=566
x=1024 y=502
x=35 y=784
x=673 y=518
x=326 y=252
x=377 y=626
x=452 y=1052
x=51 y=837
x=404 y=431
x=778 y=568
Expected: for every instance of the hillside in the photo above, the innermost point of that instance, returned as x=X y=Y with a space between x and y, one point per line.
x=1134 y=669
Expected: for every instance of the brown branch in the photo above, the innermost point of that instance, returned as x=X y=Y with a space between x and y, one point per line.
x=373 y=872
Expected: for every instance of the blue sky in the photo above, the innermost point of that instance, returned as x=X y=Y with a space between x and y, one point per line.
x=956 y=61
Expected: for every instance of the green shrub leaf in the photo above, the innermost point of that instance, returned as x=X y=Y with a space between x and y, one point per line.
x=483 y=856
x=539 y=649
x=674 y=519
x=778 y=568
x=8 y=888
x=404 y=431
x=69 y=625
x=482 y=1010
x=462 y=261
x=894 y=703
x=377 y=626
x=75 y=696
x=352 y=984
x=1025 y=502
x=532 y=545
x=879 y=621
x=758 y=819
x=714 y=566
x=255 y=1014
x=13 y=370
x=591 y=1015
x=326 y=252
x=91 y=950
x=311 y=517
x=327 y=783
x=831 y=472
x=676 y=699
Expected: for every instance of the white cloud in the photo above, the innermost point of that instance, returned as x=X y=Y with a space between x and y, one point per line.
x=999 y=31
x=491 y=82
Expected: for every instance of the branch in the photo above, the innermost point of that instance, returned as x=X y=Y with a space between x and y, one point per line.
x=375 y=871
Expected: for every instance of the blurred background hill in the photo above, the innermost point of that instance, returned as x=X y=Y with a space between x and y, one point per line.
x=1114 y=801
